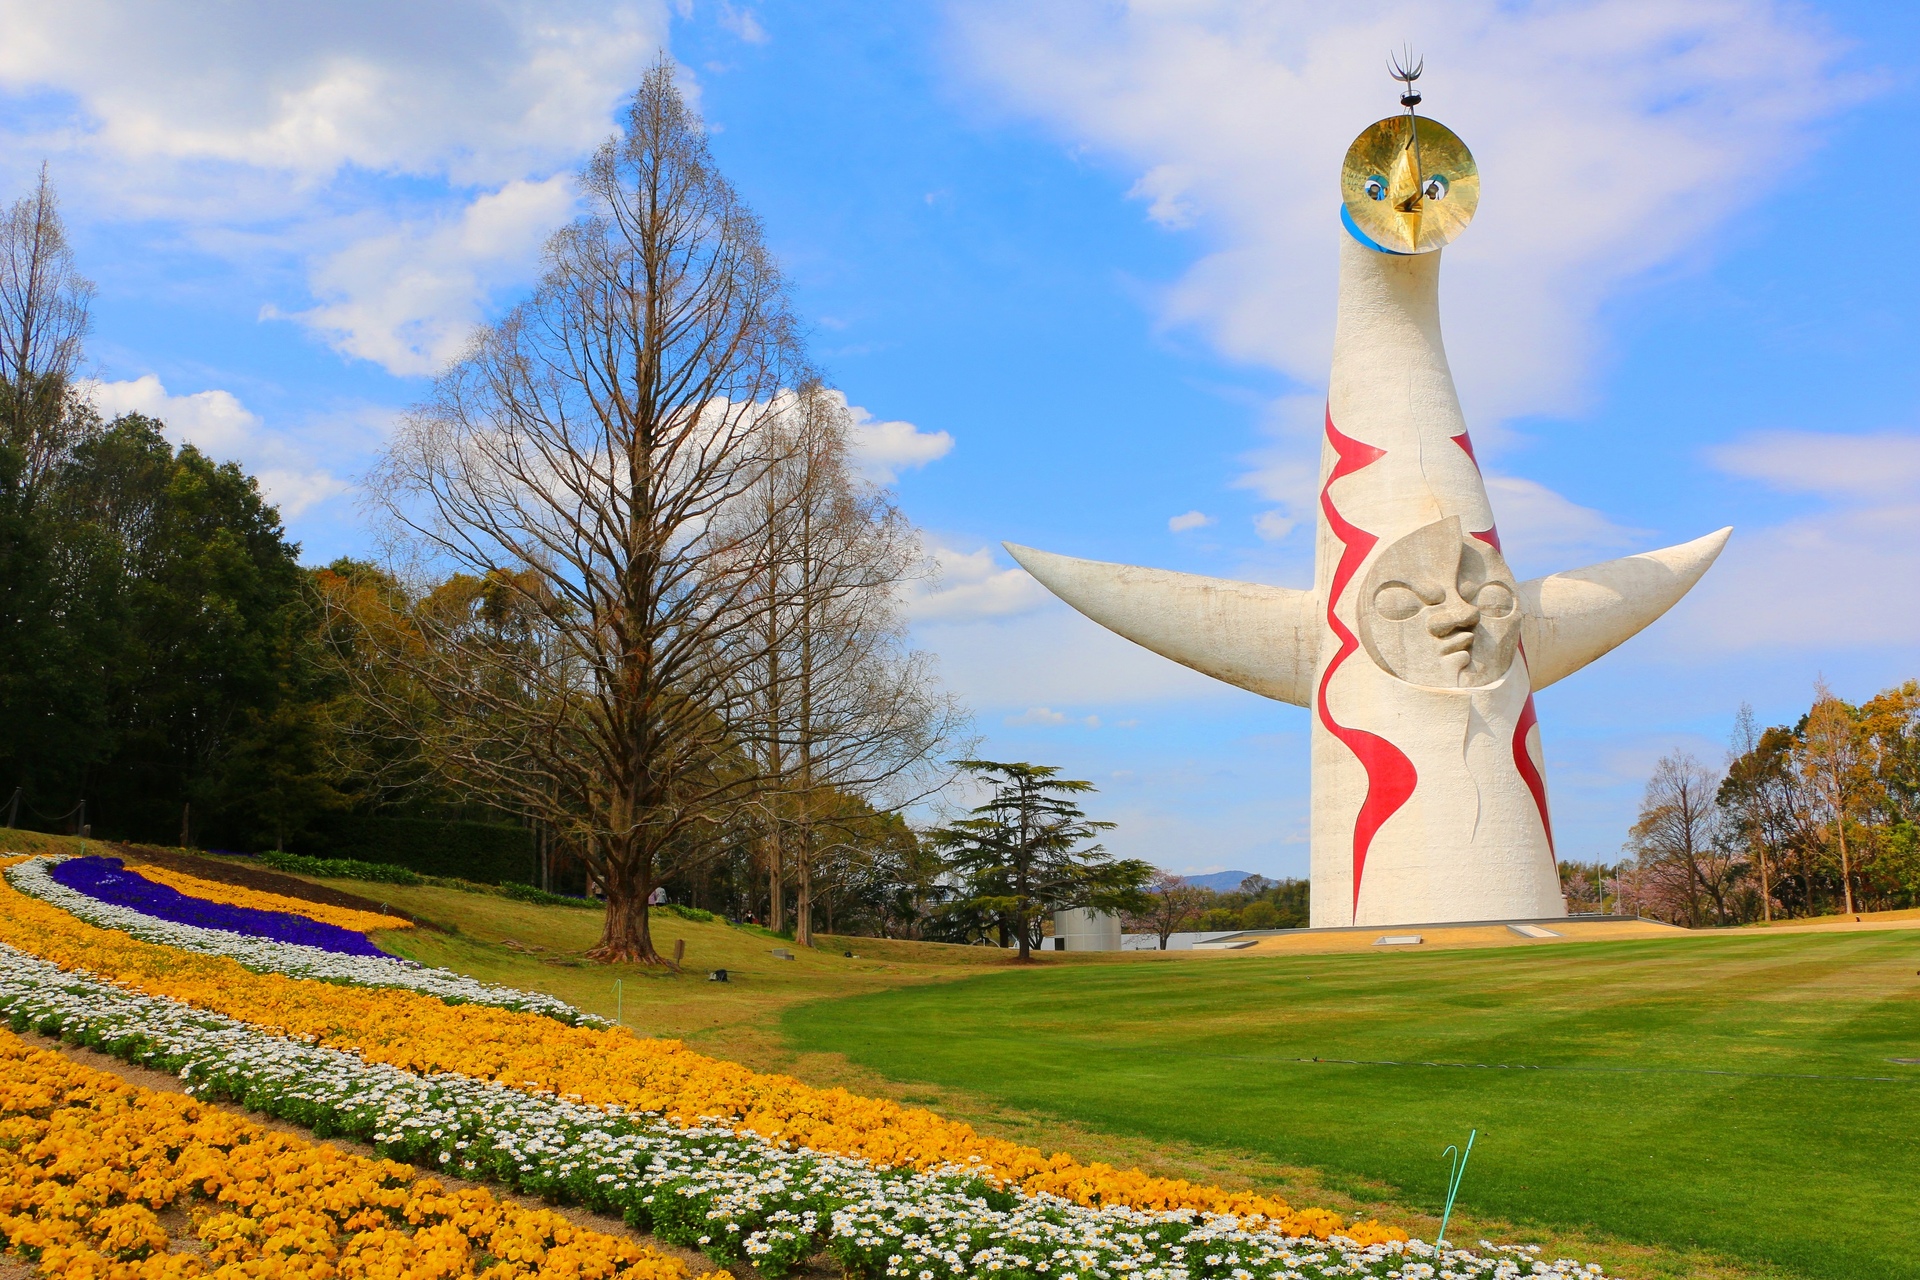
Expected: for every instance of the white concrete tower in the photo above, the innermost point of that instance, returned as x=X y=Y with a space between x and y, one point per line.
x=1416 y=652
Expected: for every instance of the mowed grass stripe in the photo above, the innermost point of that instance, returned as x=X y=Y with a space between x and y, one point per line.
x=1815 y=1175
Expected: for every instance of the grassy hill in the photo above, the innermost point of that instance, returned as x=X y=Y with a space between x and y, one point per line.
x=1724 y=1100
x=1732 y=1093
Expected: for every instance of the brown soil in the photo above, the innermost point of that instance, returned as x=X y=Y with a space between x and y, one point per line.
x=251 y=877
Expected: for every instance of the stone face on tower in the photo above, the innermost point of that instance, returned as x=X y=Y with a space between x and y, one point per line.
x=1417 y=653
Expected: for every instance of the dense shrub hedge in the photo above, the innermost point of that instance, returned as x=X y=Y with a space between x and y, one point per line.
x=339 y=868
x=484 y=852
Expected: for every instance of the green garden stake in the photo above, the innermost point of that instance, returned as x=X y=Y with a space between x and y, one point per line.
x=619 y=1005
x=1459 y=1169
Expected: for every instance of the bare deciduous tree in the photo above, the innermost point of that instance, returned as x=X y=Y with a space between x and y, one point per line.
x=1688 y=868
x=588 y=459
x=842 y=707
x=1172 y=903
x=44 y=318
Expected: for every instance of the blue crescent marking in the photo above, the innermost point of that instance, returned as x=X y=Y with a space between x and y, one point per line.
x=1353 y=228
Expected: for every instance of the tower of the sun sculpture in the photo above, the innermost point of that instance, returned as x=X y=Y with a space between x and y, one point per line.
x=1416 y=651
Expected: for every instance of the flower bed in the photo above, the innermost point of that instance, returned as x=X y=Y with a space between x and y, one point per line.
x=66 y=914
x=602 y=1067
x=91 y=1163
x=607 y=1075
x=240 y=896
x=734 y=1195
x=107 y=880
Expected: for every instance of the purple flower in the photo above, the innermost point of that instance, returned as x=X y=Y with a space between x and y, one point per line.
x=109 y=881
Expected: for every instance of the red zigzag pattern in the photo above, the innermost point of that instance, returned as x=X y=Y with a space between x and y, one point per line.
x=1522 y=758
x=1390 y=774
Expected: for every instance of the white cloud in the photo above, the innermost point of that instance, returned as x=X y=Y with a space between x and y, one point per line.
x=1658 y=122
x=408 y=299
x=1545 y=532
x=743 y=23
x=479 y=93
x=1879 y=466
x=973 y=585
x=1051 y=657
x=1286 y=471
x=1164 y=187
x=220 y=426
x=1189 y=520
x=214 y=422
x=1273 y=526
x=885 y=449
x=1840 y=577
x=1047 y=717
x=401 y=163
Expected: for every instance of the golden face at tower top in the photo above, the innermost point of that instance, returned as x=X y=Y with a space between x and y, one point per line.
x=1410 y=191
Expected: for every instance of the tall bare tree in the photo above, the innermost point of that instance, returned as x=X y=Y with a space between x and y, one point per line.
x=1689 y=868
x=1837 y=762
x=589 y=457
x=845 y=708
x=44 y=316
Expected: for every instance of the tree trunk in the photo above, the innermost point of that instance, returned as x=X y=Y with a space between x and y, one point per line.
x=776 y=877
x=626 y=933
x=803 y=899
x=1766 y=884
x=1846 y=868
x=1024 y=918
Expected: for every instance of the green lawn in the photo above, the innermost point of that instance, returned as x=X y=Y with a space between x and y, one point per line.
x=1725 y=1093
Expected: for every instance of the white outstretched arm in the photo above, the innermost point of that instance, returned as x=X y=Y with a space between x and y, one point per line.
x=1257 y=637
x=1572 y=618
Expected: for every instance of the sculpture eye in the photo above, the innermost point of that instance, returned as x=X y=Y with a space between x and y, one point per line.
x=1436 y=188
x=1494 y=600
x=1396 y=602
x=1376 y=188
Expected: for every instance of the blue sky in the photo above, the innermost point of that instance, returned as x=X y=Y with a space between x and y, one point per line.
x=1076 y=265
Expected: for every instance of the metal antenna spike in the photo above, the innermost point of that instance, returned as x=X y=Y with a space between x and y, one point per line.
x=1398 y=67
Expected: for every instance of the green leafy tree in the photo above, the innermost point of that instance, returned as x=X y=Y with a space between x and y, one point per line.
x=1837 y=760
x=175 y=665
x=1028 y=851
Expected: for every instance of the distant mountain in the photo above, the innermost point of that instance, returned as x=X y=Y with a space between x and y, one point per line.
x=1220 y=881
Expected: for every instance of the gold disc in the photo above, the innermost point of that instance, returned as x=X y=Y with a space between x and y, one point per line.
x=1408 y=198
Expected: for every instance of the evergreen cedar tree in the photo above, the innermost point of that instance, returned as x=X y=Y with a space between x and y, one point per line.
x=1026 y=852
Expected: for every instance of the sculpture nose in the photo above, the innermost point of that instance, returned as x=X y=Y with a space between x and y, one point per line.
x=1454 y=614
